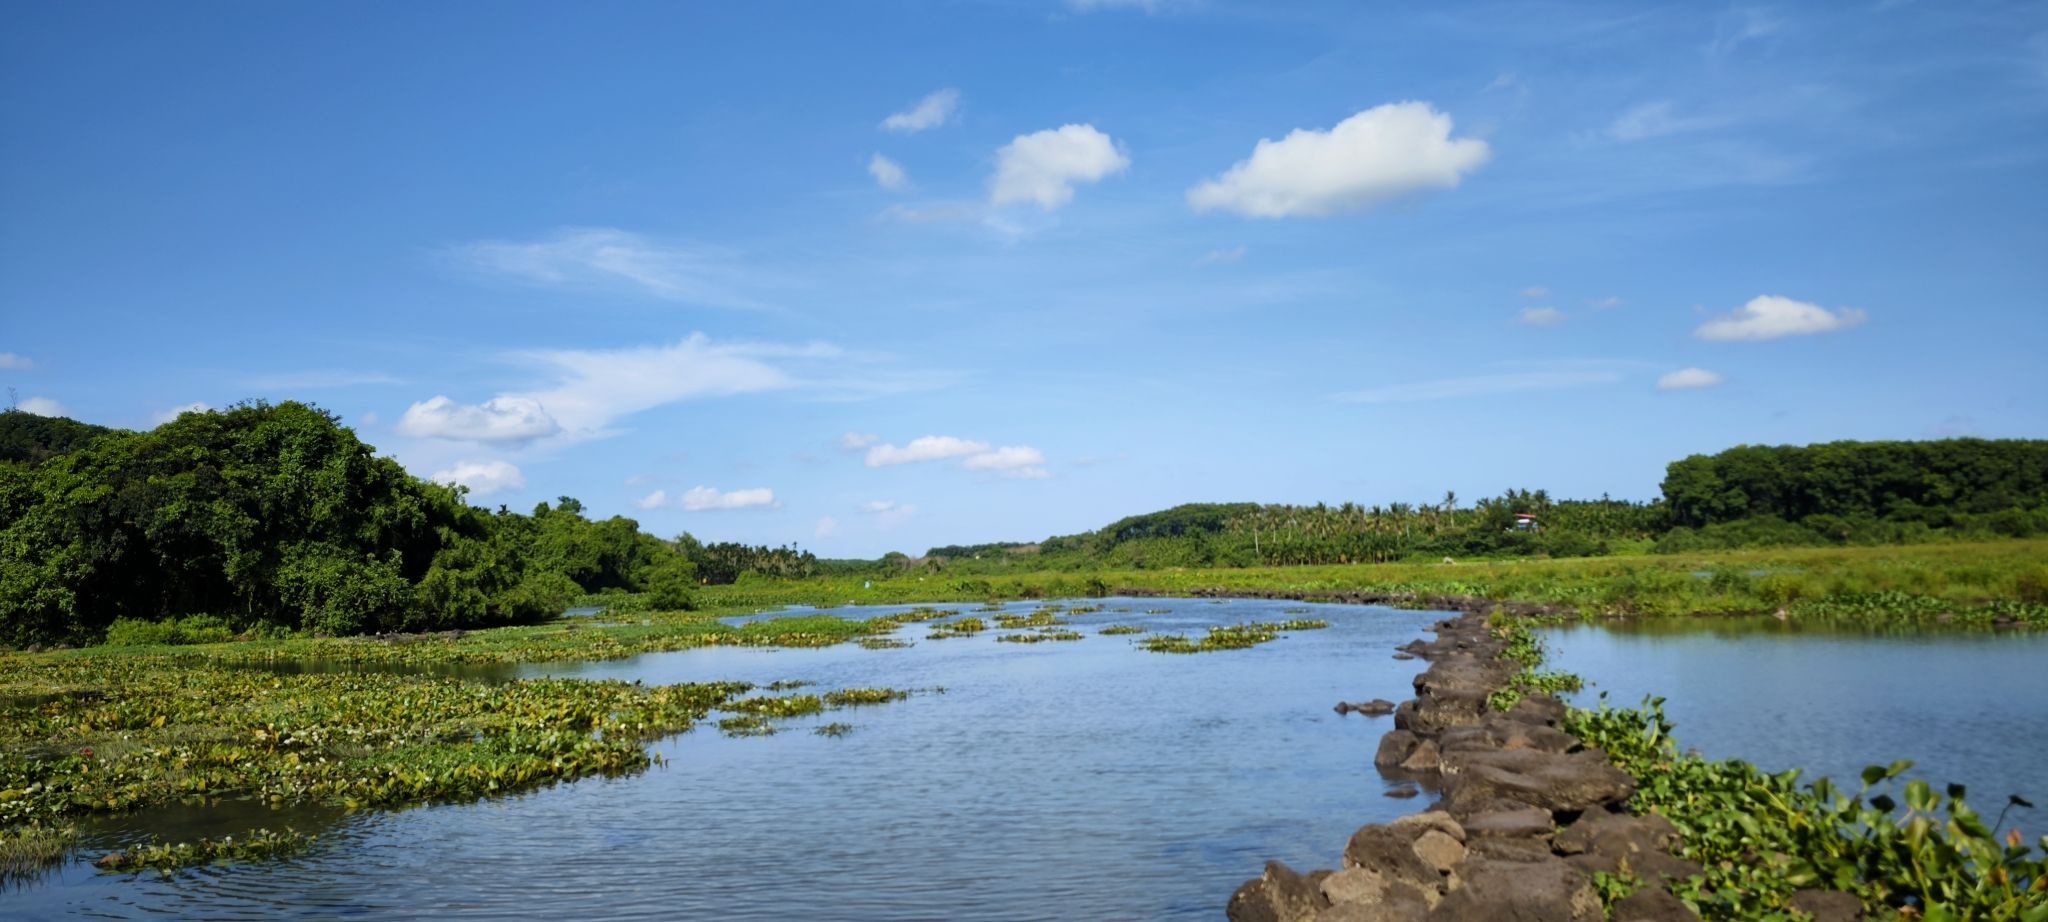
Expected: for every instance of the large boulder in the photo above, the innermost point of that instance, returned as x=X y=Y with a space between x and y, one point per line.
x=1651 y=904
x=1491 y=890
x=1278 y=895
x=1558 y=782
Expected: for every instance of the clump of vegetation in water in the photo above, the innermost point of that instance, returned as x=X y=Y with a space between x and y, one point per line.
x=787 y=684
x=1159 y=611
x=1116 y=629
x=107 y=734
x=1761 y=837
x=1532 y=682
x=1044 y=617
x=1230 y=637
x=259 y=845
x=834 y=730
x=882 y=643
x=746 y=725
x=1041 y=635
x=965 y=627
x=850 y=697
x=26 y=851
x=780 y=707
x=1303 y=624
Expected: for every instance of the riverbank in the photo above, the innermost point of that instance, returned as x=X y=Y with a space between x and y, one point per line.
x=1991 y=583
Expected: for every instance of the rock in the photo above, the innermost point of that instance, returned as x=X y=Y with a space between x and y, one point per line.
x=1425 y=758
x=1489 y=890
x=1389 y=851
x=1558 y=782
x=1392 y=895
x=1439 y=850
x=1828 y=905
x=1655 y=868
x=1651 y=904
x=1395 y=747
x=1515 y=824
x=1279 y=895
x=1618 y=834
x=1403 y=792
x=1430 y=820
x=1503 y=848
x=1375 y=708
x=1404 y=656
x=1538 y=709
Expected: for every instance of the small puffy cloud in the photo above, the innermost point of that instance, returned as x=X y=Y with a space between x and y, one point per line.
x=701 y=499
x=1536 y=291
x=1686 y=379
x=857 y=441
x=12 y=362
x=483 y=478
x=887 y=512
x=175 y=412
x=1222 y=257
x=826 y=528
x=1774 y=317
x=930 y=112
x=42 y=406
x=1016 y=462
x=507 y=419
x=1375 y=155
x=925 y=448
x=1539 y=316
x=1042 y=167
x=654 y=500
x=1605 y=303
x=888 y=173
x=1655 y=120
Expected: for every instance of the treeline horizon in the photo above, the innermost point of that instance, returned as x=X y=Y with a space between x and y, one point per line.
x=276 y=518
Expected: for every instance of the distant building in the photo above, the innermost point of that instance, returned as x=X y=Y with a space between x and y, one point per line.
x=1526 y=522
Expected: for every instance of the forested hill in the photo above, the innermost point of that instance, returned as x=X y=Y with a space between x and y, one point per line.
x=276 y=517
x=1832 y=493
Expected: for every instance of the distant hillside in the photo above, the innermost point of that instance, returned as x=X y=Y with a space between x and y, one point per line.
x=30 y=439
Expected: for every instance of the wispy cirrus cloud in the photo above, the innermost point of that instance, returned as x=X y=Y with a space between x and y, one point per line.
x=932 y=111
x=320 y=379
x=1507 y=382
x=12 y=362
x=1539 y=316
x=610 y=258
x=1686 y=379
x=888 y=173
x=1658 y=119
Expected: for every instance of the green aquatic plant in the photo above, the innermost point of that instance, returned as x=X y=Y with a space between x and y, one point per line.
x=778 y=707
x=850 y=697
x=788 y=684
x=1041 y=635
x=965 y=627
x=257 y=846
x=1116 y=629
x=882 y=643
x=1044 y=617
x=1303 y=624
x=746 y=725
x=26 y=851
x=1761 y=837
x=834 y=730
x=1228 y=637
x=1532 y=682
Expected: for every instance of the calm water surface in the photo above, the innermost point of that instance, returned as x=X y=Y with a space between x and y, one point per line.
x=1965 y=706
x=1055 y=780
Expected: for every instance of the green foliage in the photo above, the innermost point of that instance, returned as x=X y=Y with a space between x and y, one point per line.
x=257 y=846
x=26 y=851
x=1761 y=837
x=278 y=518
x=1226 y=637
x=191 y=629
x=1837 y=488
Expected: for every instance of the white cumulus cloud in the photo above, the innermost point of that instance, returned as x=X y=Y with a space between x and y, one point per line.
x=930 y=112
x=924 y=448
x=42 y=406
x=509 y=419
x=12 y=362
x=857 y=441
x=888 y=173
x=701 y=499
x=654 y=500
x=1774 y=317
x=1042 y=167
x=1539 y=316
x=1375 y=155
x=1016 y=462
x=175 y=412
x=1686 y=379
x=483 y=478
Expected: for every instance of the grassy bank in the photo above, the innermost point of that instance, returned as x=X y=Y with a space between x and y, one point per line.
x=1944 y=582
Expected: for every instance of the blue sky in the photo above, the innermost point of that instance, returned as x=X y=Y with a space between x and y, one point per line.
x=885 y=275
